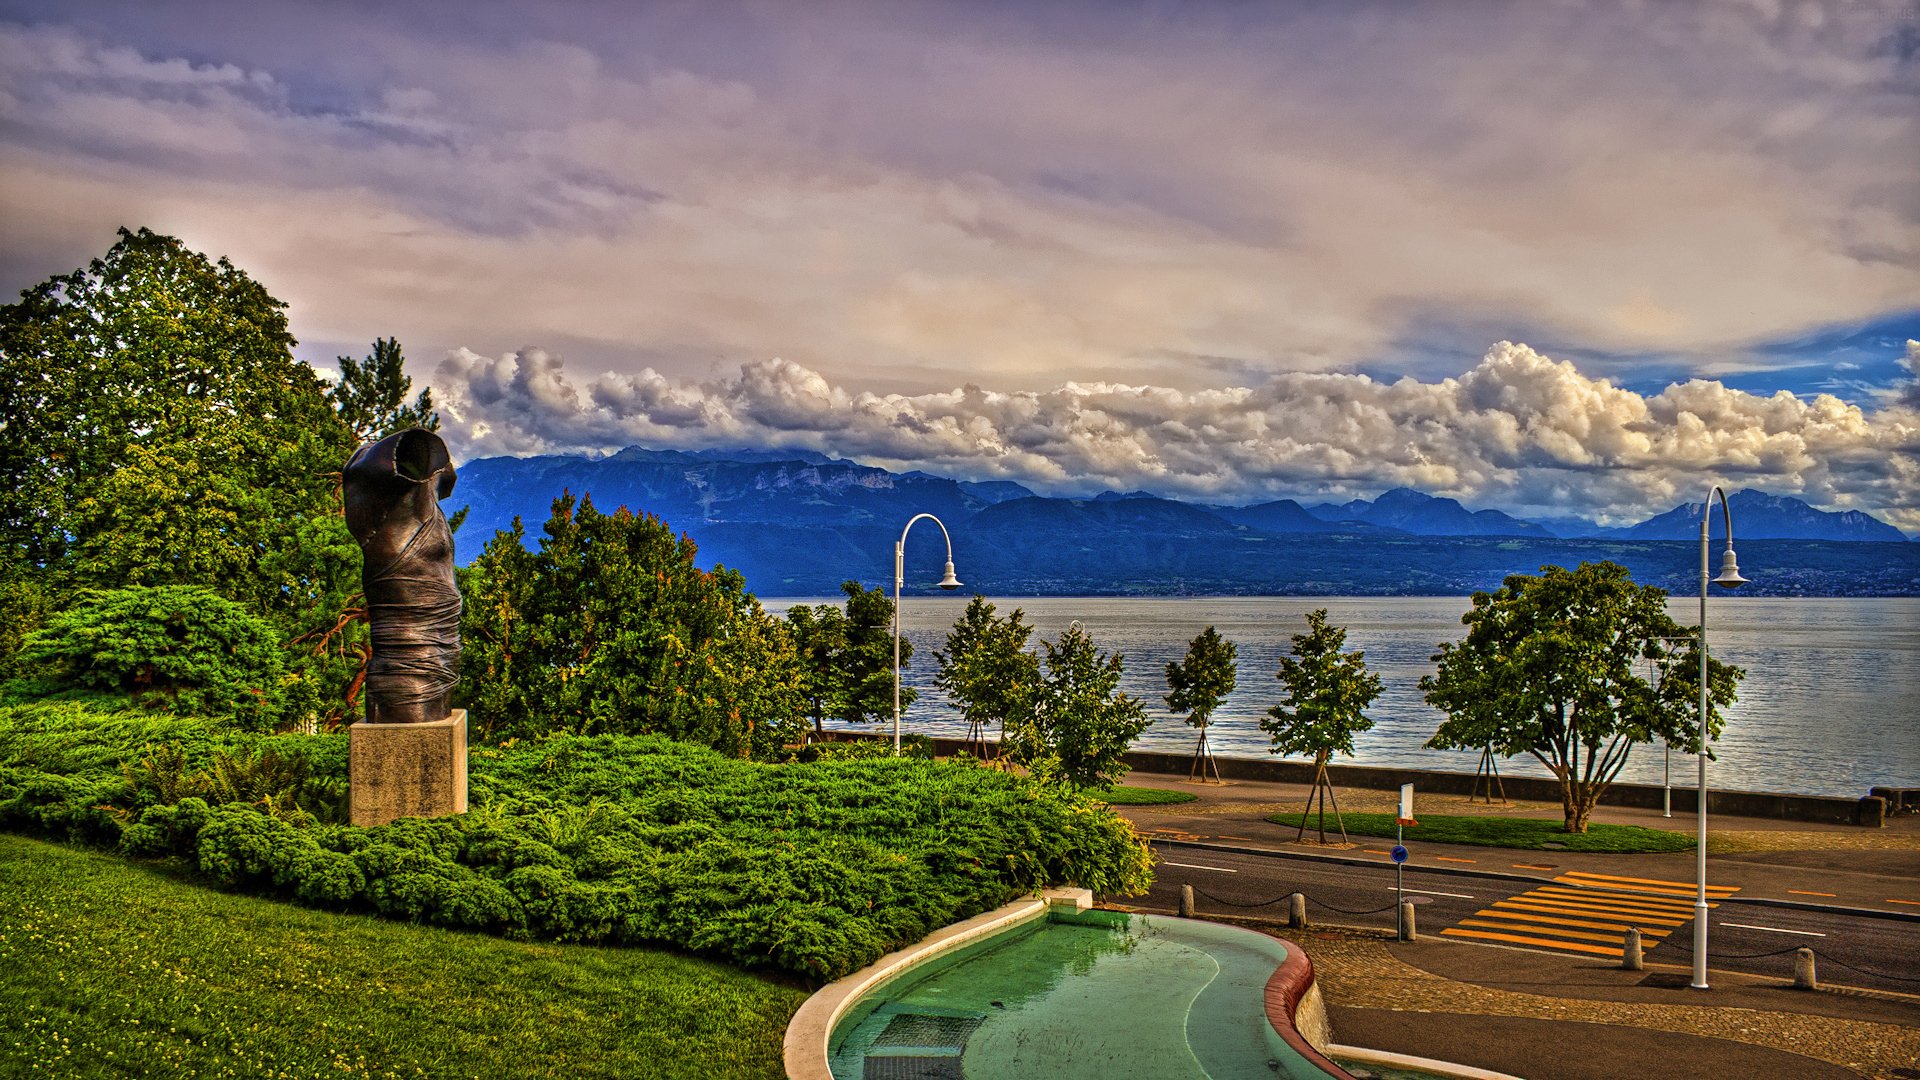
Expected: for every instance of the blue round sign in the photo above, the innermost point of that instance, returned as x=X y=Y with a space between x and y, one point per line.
x=1399 y=853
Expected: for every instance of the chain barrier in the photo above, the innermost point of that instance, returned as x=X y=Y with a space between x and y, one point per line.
x=1825 y=959
x=1197 y=891
x=1231 y=903
x=1685 y=945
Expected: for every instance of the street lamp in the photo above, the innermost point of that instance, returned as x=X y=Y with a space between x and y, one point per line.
x=1730 y=579
x=948 y=582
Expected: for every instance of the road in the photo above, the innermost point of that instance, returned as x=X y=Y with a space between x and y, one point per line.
x=1577 y=915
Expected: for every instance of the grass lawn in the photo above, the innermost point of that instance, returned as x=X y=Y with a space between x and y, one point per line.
x=1507 y=832
x=112 y=968
x=1125 y=795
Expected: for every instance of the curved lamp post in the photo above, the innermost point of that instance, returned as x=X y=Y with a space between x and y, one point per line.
x=1730 y=579
x=899 y=576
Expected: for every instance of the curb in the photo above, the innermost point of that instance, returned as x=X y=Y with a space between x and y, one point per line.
x=1502 y=875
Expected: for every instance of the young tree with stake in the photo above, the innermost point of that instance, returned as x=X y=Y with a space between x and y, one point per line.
x=1328 y=691
x=987 y=670
x=1198 y=685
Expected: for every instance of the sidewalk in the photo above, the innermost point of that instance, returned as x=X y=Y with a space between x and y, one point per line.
x=1794 y=862
x=1548 y=1017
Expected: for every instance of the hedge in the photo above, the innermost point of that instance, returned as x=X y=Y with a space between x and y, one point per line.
x=813 y=868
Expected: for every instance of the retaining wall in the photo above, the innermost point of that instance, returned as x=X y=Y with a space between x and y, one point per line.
x=1870 y=811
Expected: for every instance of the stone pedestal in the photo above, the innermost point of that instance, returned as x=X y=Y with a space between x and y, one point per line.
x=407 y=770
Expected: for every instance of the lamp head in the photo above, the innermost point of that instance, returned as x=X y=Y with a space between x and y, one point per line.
x=949 y=582
x=1729 y=572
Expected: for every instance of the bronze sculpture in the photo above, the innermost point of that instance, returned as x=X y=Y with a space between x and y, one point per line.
x=392 y=489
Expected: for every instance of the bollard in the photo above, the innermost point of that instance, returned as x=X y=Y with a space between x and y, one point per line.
x=1803 y=976
x=1406 y=922
x=1186 y=901
x=1634 y=958
x=1297 y=911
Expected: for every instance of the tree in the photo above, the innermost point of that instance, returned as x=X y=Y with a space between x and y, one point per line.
x=1198 y=684
x=1327 y=694
x=847 y=657
x=371 y=396
x=610 y=627
x=155 y=360
x=157 y=430
x=1554 y=666
x=1082 y=722
x=988 y=672
x=177 y=648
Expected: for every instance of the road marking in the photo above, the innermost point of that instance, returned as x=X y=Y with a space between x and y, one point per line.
x=1518 y=939
x=1430 y=892
x=1578 y=935
x=1449 y=858
x=1197 y=866
x=1375 y=851
x=1622 y=901
x=1804 y=892
x=1586 y=923
x=1651 y=886
x=1547 y=911
x=1772 y=929
x=1530 y=866
x=1584 y=913
x=1893 y=900
x=1224 y=836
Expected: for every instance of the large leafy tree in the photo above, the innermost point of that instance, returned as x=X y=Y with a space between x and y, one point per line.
x=156 y=430
x=150 y=369
x=847 y=657
x=371 y=396
x=1555 y=666
x=610 y=627
x=1082 y=722
x=988 y=672
x=1328 y=690
x=1197 y=684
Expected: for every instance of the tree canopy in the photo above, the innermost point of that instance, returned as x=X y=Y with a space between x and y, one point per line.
x=154 y=395
x=1082 y=722
x=371 y=396
x=1327 y=693
x=1555 y=666
x=987 y=671
x=610 y=627
x=847 y=657
x=1199 y=682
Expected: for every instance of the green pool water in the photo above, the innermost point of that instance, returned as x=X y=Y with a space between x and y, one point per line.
x=1090 y=995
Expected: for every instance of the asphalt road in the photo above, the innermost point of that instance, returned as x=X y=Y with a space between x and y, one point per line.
x=1577 y=920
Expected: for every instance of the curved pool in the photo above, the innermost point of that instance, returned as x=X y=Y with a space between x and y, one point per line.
x=1079 y=995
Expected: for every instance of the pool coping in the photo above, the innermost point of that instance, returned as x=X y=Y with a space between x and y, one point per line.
x=1289 y=991
x=805 y=1049
x=1408 y=1061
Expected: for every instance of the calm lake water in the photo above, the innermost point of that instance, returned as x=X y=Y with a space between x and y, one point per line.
x=1830 y=704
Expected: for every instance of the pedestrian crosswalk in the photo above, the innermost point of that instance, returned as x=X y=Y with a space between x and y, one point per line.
x=1588 y=913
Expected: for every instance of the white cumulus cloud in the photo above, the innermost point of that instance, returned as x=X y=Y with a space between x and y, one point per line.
x=1518 y=430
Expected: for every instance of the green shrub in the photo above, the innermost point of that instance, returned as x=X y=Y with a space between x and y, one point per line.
x=812 y=868
x=174 y=648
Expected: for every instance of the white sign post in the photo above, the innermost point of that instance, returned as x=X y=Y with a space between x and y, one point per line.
x=1400 y=823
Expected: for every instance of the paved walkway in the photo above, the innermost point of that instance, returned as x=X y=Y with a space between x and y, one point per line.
x=1788 y=861
x=1546 y=1017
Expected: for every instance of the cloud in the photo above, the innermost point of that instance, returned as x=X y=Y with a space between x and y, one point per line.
x=934 y=193
x=1518 y=430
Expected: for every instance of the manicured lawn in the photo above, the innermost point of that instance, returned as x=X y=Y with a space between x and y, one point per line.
x=1506 y=832
x=113 y=968
x=1125 y=795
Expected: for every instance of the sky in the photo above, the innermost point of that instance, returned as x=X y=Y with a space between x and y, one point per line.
x=1555 y=257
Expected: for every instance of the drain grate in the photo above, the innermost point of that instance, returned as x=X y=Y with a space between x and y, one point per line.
x=913 y=1068
x=927 y=1032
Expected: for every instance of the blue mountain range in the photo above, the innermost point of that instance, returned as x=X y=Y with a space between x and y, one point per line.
x=798 y=523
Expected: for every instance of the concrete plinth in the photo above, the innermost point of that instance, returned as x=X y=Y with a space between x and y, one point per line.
x=407 y=770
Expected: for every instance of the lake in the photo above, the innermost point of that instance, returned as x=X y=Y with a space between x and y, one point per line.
x=1830 y=704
